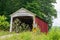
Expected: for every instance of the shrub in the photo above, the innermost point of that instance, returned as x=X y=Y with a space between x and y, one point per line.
x=53 y=34
x=4 y=25
x=18 y=26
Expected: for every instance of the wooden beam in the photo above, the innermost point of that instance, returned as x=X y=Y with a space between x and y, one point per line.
x=11 y=24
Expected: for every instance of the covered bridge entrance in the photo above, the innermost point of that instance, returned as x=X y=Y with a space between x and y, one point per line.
x=22 y=16
x=27 y=20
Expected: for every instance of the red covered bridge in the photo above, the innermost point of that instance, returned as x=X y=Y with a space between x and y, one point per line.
x=43 y=26
x=30 y=18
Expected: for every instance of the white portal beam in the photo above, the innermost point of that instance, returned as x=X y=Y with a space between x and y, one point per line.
x=34 y=24
x=11 y=24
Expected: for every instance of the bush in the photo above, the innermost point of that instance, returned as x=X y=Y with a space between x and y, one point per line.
x=4 y=25
x=53 y=34
x=18 y=26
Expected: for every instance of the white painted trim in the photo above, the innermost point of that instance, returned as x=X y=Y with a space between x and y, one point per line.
x=21 y=12
x=34 y=24
x=11 y=24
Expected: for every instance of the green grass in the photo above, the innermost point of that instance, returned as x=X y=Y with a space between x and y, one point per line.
x=2 y=33
x=53 y=34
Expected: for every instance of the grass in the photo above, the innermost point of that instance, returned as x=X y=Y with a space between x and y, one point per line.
x=53 y=34
x=2 y=33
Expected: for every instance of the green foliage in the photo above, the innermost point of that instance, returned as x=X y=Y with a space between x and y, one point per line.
x=2 y=33
x=53 y=34
x=4 y=25
x=18 y=26
x=42 y=8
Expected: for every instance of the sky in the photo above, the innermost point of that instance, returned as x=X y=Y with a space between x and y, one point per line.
x=56 y=21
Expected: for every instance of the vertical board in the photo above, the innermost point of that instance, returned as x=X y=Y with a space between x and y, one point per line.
x=43 y=26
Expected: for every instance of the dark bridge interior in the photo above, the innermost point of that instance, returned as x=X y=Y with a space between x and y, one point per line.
x=27 y=20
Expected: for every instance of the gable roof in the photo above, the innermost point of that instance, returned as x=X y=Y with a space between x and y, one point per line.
x=26 y=11
x=22 y=10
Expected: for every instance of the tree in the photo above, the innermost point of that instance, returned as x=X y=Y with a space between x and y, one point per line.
x=42 y=8
x=4 y=25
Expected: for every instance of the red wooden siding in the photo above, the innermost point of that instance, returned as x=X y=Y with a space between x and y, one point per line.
x=43 y=26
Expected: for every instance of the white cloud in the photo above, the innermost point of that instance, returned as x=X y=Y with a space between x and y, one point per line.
x=56 y=22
